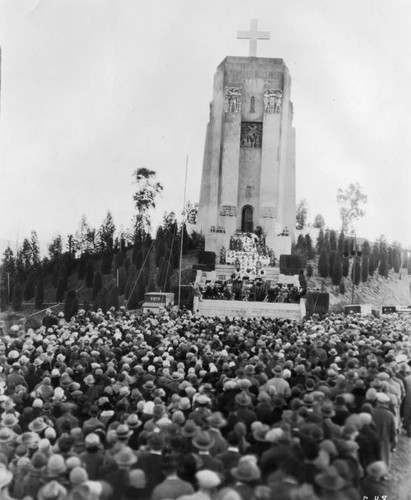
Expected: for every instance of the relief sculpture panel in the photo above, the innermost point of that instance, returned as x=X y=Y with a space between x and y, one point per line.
x=272 y=101
x=251 y=135
x=232 y=99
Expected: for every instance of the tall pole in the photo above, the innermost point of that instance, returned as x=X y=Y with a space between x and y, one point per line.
x=354 y=266
x=182 y=235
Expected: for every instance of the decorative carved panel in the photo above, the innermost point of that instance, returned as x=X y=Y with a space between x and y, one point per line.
x=268 y=213
x=272 y=101
x=228 y=211
x=251 y=135
x=232 y=99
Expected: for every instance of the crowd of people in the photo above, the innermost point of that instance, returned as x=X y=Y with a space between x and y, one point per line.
x=177 y=406
x=256 y=290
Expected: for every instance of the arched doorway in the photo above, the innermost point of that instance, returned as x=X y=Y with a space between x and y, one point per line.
x=247 y=225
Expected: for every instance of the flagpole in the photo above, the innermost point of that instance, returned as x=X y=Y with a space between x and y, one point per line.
x=182 y=235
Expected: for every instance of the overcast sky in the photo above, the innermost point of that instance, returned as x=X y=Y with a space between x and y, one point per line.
x=93 y=89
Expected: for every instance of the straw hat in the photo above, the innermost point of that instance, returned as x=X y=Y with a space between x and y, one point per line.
x=246 y=471
x=125 y=457
x=203 y=440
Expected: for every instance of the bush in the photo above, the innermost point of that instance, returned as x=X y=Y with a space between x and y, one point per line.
x=310 y=270
x=39 y=295
x=364 y=268
x=100 y=302
x=17 y=298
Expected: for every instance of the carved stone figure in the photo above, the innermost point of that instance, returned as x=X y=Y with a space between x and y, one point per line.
x=251 y=135
x=272 y=101
x=232 y=98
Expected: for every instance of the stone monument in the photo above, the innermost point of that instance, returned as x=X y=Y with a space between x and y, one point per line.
x=248 y=176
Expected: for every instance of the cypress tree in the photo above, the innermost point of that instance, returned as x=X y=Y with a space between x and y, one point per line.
x=132 y=276
x=160 y=251
x=371 y=264
x=97 y=283
x=55 y=275
x=356 y=271
x=341 y=239
x=127 y=264
x=345 y=266
x=39 y=295
x=100 y=301
x=341 y=288
x=70 y=305
x=89 y=273
x=61 y=288
x=151 y=287
x=409 y=266
x=336 y=275
x=113 y=298
x=63 y=273
x=366 y=248
x=323 y=263
x=107 y=260
x=118 y=260
x=17 y=297
x=29 y=288
x=3 y=298
x=309 y=247
x=133 y=299
x=390 y=258
x=346 y=251
x=396 y=260
x=320 y=241
x=365 y=265
x=81 y=273
x=376 y=252
x=333 y=240
x=122 y=280
x=331 y=258
x=383 y=267
x=310 y=271
x=327 y=243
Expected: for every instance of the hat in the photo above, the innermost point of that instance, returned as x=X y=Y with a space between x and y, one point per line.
x=52 y=491
x=243 y=399
x=327 y=409
x=89 y=380
x=246 y=470
x=5 y=476
x=377 y=469
x=149 y=385
x=78 y=475
x=330 y=480
x=382 y=397
x=260 y=432
x=273 y=435
x=203 y=440
x=217 y=420
x=208 y=479
x=92 y=440
x=125 y=457
x=6 y=435
x=9 y=420
x=133 y=421
x=189 y=430
x=184 y=404
x=56 y=466
x=123 y=432
x=37 y=425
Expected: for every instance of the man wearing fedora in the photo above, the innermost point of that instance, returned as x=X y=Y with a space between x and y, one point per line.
x=150 y=462
x=172 y=487
x=203 y=442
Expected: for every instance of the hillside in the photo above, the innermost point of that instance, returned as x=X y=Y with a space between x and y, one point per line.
x=395 y=290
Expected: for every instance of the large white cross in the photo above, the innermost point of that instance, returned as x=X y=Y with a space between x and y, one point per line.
x=253 y=35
